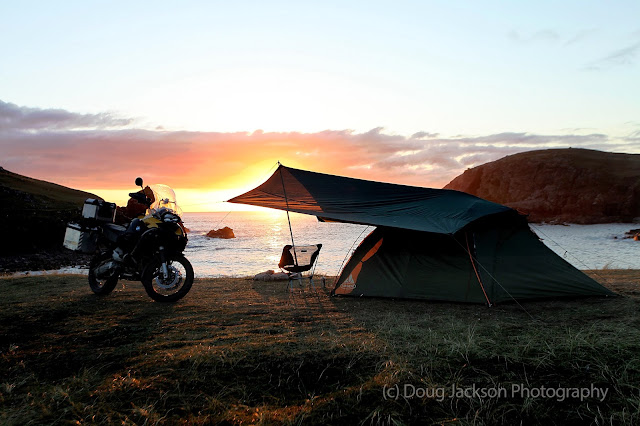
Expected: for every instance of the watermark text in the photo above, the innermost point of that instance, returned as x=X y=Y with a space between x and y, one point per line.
x=516 y=390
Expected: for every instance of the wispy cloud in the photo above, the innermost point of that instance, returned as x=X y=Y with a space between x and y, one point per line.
x=13 y=116
x=620 y=57
x=62 y=148
x=424 y=135
x=545 y=35
x=551 y=36
x=624 y=56
x=580 y=37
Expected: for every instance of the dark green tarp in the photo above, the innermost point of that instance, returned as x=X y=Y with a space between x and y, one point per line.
x=430 y=244
x=371 y=203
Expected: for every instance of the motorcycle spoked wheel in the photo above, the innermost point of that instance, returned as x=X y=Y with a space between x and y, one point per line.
x=175 y=286
x=105 y=286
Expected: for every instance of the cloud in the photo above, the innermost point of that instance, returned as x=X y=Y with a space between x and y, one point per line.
x=580 y=37
x=13 y=116
x=424 y=135
x=546 y=35
x=624 y=56
x=109 y=157
x=621 y=57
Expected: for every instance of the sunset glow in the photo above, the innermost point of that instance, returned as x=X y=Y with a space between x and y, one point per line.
x=208 y=97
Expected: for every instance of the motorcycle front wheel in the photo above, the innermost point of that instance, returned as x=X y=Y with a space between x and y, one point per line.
x=174 y=286
x=101 y=286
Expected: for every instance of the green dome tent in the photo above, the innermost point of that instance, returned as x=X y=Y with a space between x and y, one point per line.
x=431 y=244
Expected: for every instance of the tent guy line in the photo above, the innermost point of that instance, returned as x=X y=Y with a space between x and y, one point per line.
x=496 y=281
x=539 y=229
x=350 y=251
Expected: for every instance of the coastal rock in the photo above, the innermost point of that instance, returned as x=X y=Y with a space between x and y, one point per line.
x=270 y=275
x=49 y=259
x=634 y=233
x=225 y=232
x=560 y=185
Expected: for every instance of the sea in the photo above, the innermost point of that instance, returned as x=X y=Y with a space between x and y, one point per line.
x=261 y=235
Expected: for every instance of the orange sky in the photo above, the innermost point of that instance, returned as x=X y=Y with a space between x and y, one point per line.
x=104 y=154
x=208 y=168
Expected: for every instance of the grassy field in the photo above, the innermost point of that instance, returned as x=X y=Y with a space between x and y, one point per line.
x=236 y=351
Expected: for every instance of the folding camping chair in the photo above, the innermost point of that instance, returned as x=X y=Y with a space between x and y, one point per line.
x=298 y=260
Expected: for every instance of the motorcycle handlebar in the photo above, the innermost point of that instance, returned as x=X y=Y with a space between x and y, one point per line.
x=141 y=198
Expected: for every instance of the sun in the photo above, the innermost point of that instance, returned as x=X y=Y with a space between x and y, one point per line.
x=211 y=197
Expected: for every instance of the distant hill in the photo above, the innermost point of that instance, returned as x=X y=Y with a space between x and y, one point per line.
x=34 y=213
x=560 y=185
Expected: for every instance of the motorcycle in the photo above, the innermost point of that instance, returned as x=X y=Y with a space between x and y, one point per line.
x=149 y=249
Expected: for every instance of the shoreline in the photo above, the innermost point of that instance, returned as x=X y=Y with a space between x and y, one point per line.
x=81 y=270
x=43 y=260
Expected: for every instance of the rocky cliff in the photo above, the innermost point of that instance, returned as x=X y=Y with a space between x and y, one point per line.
x=560 y=185
x=34 y=213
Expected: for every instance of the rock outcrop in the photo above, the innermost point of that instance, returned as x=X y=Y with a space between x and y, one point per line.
x=633 y=234
x=225 y=232
x=560 y=185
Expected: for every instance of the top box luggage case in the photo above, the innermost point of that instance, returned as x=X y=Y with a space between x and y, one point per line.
x=99 y=210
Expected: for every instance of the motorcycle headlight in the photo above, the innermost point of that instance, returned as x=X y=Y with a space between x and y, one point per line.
x=171 y=218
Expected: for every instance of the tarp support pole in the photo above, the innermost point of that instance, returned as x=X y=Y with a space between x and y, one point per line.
x=295 y=256
x=473 y=263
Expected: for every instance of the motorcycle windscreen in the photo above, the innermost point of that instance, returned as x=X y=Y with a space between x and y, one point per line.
x=164 y=197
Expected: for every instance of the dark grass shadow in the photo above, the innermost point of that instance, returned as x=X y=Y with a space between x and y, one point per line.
x=583 y=343
x=57 y=335
x=237 y=351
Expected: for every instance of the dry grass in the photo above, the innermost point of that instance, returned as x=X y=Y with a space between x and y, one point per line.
x=238 y=351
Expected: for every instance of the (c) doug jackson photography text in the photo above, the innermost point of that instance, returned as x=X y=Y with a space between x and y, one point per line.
x=516 y=390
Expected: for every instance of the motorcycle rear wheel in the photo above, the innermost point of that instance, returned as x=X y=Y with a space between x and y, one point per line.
x=172 y=288
x=105 y=286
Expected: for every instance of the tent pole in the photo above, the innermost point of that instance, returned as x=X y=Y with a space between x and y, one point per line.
x=495 y=280
x=466 y=237
x=295 y=256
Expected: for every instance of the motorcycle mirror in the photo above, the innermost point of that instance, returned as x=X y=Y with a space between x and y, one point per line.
x=139 y=182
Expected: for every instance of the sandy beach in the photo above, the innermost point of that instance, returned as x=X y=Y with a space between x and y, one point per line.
x=242 y=351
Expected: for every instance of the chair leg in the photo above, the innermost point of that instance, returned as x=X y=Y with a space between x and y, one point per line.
x=300 y=278
x=300 y=281
x=292 y=297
